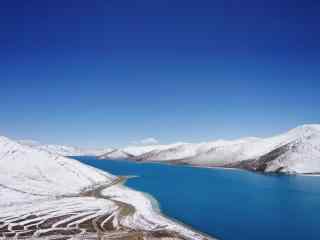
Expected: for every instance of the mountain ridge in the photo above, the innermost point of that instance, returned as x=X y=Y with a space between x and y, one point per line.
x=236 y=153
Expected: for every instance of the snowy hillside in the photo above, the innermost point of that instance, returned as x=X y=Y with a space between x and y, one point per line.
x=301 y=156
x=29 y=170
x=47 y=195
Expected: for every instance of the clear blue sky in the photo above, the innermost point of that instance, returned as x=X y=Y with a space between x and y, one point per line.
x=102 y=73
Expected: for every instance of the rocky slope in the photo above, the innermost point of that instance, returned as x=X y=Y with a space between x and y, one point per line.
x=296 y=151
x=47 y=196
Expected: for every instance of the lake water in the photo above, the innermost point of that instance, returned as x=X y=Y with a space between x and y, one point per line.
x=228 y=204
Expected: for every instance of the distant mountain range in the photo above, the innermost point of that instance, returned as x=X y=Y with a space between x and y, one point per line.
x=66 y=150
x=296 y=151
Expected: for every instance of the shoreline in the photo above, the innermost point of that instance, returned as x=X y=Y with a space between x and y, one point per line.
x=219 y=167
x=156 y=206
x=170 y=163
x=165 y=223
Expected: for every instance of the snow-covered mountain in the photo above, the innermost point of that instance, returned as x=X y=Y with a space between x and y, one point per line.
x=116 y=154
x=66 y=150
x=47 y=196
x=133 y=151
x=32 y=173
x=296 y=151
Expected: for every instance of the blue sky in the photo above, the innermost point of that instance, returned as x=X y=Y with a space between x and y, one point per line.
x=107 y=73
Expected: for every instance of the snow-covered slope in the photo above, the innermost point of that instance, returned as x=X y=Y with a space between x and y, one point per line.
x=66 y=150
x=299 y=153
x=47 y=196
x=304 y=157
x=28 y=170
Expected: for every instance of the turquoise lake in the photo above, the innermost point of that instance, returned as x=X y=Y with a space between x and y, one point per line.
x=228 y=204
